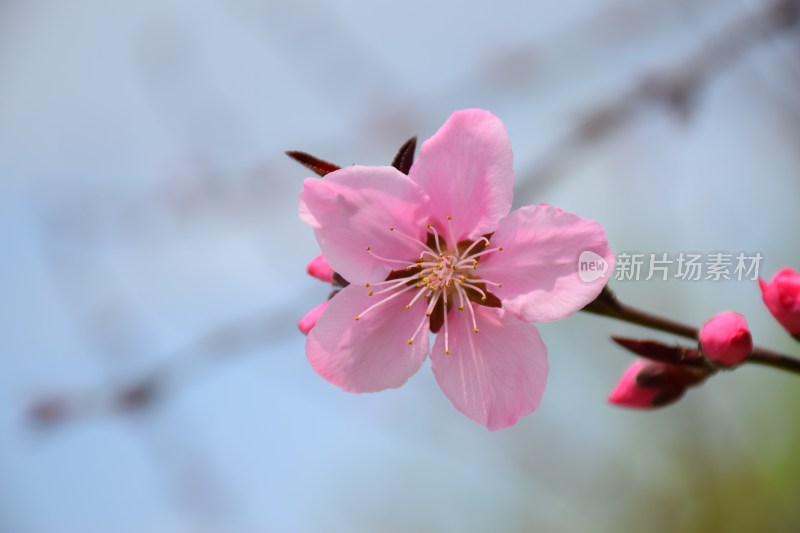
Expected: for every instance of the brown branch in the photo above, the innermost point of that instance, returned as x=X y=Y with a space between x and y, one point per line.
x=608 y=305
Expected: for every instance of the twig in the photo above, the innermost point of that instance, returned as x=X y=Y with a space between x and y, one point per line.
x=608 y=305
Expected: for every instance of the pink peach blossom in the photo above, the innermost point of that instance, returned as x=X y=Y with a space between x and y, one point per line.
x=438 y=250
x=726 y=339
x=782 y=298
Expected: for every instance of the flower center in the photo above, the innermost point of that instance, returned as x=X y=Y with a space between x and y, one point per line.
x=444 y=273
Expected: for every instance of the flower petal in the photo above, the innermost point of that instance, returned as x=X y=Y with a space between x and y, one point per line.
x=496 y=375
x=372 y=353
x=353 y=209
x=539 y=264
x=467 y=169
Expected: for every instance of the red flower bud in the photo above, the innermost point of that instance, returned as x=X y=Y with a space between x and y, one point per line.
x=782 y=298
x=320 y=269
x=310 y=319
x=648 y=384
x=628 y=393
x=726 y=339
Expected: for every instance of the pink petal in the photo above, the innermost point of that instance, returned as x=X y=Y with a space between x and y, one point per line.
x=467 y=169
x=353 y=209
x=496 y=375
x=372 y=353
x=539 y=264
x=320 y=269
x=310 y=319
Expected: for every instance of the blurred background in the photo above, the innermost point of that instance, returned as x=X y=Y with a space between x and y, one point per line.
x=152 y=378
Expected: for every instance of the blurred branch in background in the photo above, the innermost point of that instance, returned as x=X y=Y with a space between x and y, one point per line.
x=675 y=89
x=145 y=391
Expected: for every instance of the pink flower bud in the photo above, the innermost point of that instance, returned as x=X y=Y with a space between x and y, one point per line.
x=628 y=393
x=782 y=298
x=310 y=319
x=726 y=339
x=320 y=269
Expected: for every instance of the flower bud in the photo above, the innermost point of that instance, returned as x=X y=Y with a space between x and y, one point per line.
x=782 y=298
x=631 y=392
x=320 y=269
x=310 y=319
x=725 y=339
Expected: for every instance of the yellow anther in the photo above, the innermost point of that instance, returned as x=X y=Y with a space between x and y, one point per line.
x=370 y=293
x=486 y=244
x=483 y=298
x=426 y=279
x=500 y=248
x=499 y=285
x=475 y=330
x=460 y=307
x=366 y=284
x=447 y=352
x=449 y=218
x=455 y=267
x=408 y=307
x=428 y=226
x=410 y=342
x=427 y=314
x=462 y=277
x=358 y=317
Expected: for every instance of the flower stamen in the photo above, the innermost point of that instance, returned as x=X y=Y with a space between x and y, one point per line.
x=446 y=335
x=474 y=244
x=475 y=288
x=473 y=258
x=436 y=239
x=462 y=293
x=386 y=259
x=424 y=319
x=392 y=297
x=450 y=230
x=410 y=238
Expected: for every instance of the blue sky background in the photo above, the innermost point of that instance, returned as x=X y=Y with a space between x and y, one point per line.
x=148 y=221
